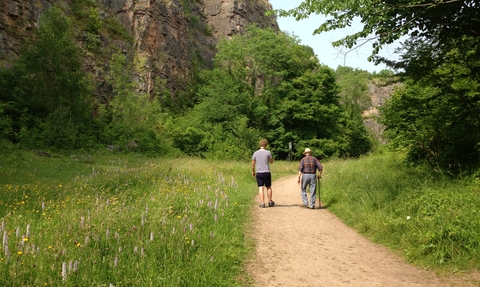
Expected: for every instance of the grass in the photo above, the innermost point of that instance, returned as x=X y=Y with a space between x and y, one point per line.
x=122 y=220
x=430 y=219
x=129 y=220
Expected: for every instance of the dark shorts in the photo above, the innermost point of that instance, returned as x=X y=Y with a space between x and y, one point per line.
x=264 y=179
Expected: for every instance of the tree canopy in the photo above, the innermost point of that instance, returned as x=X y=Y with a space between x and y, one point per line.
x=387 y=21
x=436 y=115
x=265 y=84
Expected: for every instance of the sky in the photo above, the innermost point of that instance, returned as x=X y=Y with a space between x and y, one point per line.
x=322 y=44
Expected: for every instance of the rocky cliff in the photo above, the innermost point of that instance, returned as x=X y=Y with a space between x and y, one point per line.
x=169 y=38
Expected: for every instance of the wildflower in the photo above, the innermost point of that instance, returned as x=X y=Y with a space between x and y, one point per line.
x=25 y=239
x=75 y=266
x=408 y=217
x=19 y=252
x=64 y=271
x=5 y=238
x=7 y=251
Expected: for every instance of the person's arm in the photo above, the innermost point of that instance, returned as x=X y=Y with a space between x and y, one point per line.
x=320 y=169
x=253 y=167
x=300 y=168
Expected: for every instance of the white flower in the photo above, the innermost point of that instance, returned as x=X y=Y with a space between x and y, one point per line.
x=408 y=217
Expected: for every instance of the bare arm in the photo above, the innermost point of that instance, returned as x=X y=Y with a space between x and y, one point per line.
x=253 y=167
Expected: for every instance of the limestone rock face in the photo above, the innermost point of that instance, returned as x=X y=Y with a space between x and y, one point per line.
x=18 y=17
x=231 y=17
x=170 y=37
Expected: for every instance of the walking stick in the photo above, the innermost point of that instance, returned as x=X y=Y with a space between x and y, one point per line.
x=318 y=193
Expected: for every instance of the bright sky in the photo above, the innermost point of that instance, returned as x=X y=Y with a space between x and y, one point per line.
x=322 y=44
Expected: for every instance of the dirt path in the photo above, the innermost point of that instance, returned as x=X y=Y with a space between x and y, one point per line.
x=303 y=247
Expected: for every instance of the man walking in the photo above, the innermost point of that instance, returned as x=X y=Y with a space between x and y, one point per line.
x=307 y=170
x=261 y=160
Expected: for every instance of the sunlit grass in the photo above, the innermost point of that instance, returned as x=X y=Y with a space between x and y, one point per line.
x=128 y=221
x=431 y=219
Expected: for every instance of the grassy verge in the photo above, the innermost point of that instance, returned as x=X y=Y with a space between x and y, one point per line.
x=116 y=220
x=430 y=219
x=123 y=220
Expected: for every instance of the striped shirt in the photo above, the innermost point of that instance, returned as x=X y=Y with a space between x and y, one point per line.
x=309 y=164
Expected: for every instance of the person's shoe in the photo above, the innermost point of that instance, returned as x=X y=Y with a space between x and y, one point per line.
x=312 y=207
x=303 y=205
x=262 y=205
x=271 y=204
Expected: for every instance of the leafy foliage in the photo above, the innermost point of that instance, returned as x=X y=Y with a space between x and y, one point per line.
x=385 y=21
x=436 y=115
x=46 y=94
x=264 y=84
x=439 y=60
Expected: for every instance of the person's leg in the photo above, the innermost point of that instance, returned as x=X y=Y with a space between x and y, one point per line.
x=304 y=189
x=313 y=192
x=261 y=184
x=262 y=196
x=271 y=203
x=268 y=185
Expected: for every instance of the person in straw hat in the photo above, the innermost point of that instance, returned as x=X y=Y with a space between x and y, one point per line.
x=309 y=165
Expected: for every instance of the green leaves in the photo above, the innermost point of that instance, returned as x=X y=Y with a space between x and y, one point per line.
x=50 y=95
x=265 y=84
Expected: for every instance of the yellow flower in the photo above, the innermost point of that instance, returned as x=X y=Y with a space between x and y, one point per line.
x=25 y=239
x=19 y=252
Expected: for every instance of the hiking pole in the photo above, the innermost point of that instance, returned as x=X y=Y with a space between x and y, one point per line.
x=318 y=193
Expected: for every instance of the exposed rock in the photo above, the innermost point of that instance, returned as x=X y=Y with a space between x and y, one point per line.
x=379 y=94
x=170 y=37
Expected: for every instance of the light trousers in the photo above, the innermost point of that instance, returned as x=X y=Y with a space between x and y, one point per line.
x=309 y=180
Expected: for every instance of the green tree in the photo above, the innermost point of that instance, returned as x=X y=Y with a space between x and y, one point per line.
x=436 y=117
x=130 y=119
x=264 y=84
x=386 y=21
x=353 y=90
x=439 y=59
x=49 y=91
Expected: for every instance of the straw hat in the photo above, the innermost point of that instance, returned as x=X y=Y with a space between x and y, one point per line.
x=307 y=150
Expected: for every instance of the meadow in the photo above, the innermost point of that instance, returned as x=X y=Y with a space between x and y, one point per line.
x=425 y=215
x=124 y=220
x=130 y=220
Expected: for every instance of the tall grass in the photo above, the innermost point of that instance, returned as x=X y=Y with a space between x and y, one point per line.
x=123 y=220
x=129 y=220
x=431 y=219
